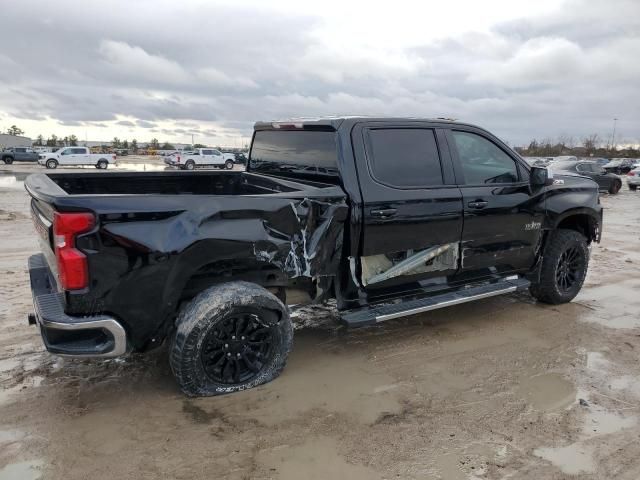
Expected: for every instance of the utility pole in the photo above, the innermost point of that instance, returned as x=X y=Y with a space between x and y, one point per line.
x=613 y=135
x=192 y=144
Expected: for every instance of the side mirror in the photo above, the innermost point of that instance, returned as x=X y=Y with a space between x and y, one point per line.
x=540 y=177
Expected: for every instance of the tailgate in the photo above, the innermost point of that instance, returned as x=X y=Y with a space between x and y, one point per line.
x=42 y=217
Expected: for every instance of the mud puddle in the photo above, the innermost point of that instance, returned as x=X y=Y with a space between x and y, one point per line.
x=143 y=167
x=28 y=470
x=614 y=305
x=311 y=381
x=573 y=459
x=315 y=459
x=11 y=182
x=548 y=392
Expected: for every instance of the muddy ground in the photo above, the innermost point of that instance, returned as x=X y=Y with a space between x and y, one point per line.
x=501 y=388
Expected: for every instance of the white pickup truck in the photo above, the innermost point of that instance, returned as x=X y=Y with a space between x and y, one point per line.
x=72 y=156
x=202 y=157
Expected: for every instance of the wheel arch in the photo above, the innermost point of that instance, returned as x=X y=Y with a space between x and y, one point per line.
x=583 y=221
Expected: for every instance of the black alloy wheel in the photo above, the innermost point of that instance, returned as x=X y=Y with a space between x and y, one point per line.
x=237 y=349
x=570 y=269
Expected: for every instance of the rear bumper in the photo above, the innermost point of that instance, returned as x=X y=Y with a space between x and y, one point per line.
x=90 y=336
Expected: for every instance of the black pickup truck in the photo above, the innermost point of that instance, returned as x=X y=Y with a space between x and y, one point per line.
x=388 y=216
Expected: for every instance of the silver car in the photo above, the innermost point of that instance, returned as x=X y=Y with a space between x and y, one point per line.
x=633 y=178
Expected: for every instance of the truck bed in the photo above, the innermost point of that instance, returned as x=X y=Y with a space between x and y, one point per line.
x=162 y=235
x=161 y=183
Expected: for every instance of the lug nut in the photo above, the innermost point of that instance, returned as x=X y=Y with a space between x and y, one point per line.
x=238 y=355
x=241 y=338
x=226 y=345
x=229 y=354
x=233 y=337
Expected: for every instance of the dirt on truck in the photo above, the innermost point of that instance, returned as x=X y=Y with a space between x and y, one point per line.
x=208 y=262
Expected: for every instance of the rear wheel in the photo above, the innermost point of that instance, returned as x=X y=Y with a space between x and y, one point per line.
x=51 y=163
x=564 y=267
x=230 y=337
x=615 y=187
x=189 y=165
x=102 y=164
x=228 y=164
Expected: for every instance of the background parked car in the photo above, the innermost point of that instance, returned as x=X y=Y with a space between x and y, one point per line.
x=633 y=178
x=606 y=181
x=19 y=154
x=619 y=165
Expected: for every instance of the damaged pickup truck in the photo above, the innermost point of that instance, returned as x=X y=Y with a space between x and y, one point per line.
x=390 y=217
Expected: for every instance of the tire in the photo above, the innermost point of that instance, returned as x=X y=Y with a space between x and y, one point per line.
x=52 y=164
x=615 y=187
x=206 y=356
x=228 y=165
x=189 y=165
x=633 y=187
x=102 y=164
x=564 y=267
x=7 y=160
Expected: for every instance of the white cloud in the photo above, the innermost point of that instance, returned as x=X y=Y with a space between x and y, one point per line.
x=126 y=60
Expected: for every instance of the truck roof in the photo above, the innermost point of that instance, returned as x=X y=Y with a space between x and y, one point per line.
x=335 y=122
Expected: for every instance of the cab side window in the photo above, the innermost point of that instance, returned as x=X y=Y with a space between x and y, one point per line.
x=482 y=161
x=404 y=157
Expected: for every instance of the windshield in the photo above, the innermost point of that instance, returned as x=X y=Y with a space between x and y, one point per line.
x=296 y=154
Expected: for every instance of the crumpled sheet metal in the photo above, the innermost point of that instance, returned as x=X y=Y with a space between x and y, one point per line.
x=300 y=236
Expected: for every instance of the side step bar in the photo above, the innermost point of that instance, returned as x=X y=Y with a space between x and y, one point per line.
x=376 y=314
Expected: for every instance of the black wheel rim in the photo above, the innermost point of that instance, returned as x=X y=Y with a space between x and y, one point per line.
x=569 y=269
x=237 y=348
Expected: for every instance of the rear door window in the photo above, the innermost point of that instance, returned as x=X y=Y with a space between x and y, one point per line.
x=404 y=157
x=482 y=161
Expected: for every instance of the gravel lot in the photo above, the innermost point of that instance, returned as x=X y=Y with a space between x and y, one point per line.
x=501 y=388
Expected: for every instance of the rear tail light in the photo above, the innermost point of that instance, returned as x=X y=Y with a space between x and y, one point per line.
x=631 y=173
x=72 y=263
x=178 y=158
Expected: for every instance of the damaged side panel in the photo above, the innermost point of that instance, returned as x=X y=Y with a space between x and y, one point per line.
x=378 y=268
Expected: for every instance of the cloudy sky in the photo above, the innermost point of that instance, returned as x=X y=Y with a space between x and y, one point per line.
x=148 y=68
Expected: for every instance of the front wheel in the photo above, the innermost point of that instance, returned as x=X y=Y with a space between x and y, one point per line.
x=615 y=187
x=230 y=337
x=564 y=267
x=102 y=164
x=51 y=164
x=7 y=160
x=228 y=164
x=189 y=165
x=633 y=187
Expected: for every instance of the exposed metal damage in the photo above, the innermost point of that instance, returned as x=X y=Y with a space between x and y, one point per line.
x=378 y=268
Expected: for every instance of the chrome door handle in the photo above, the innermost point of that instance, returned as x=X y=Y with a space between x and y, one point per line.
x=383 y=212
x=478 y=204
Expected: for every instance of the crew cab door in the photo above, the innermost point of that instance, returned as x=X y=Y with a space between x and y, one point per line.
x=19 y=154
x=502 y=216
x=411 y=207
x=217 y=157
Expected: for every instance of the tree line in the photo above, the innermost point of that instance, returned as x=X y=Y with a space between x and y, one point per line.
x=588 y=146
